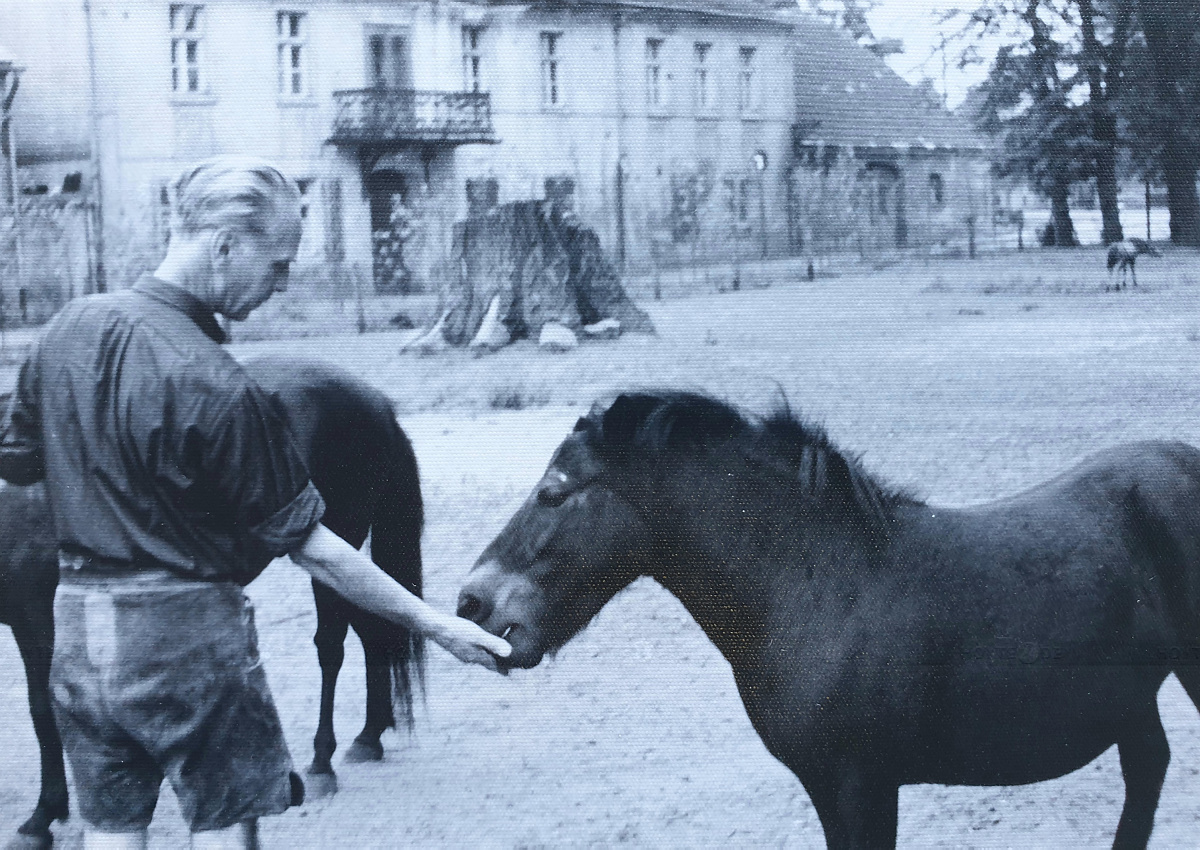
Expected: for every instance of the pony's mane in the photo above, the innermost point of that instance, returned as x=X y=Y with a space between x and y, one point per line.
x=660 y=423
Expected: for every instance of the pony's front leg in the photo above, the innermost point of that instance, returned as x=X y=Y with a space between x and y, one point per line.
x=858 y=811
x=1145 y=755
x=331 y=652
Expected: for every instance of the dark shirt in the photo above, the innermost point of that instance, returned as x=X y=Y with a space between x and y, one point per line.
x=157 y=449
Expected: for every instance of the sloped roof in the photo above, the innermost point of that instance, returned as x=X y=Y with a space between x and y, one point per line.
x=774 y=11
x=856 y=99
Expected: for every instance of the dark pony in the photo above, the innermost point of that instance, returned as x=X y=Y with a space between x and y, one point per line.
x=876 y=640
x=363 y=465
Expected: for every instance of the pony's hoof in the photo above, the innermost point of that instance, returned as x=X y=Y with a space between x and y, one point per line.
x=31 y=841
x=364 y=751
x=319 y=785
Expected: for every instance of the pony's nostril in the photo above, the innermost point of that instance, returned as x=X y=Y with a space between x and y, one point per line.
x=470 y=607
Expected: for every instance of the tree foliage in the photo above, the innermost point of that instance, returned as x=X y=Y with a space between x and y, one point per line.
x=1081 y=84
x=1027 y=103
x=851 y=15
x=1159 y=106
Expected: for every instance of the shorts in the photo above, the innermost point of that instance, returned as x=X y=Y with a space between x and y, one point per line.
x=159 y=677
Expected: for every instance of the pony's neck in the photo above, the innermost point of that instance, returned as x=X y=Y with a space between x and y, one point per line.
x=731 y=553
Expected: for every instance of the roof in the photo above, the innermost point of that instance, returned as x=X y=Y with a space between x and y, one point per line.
x=855 y=99
x=774 y=11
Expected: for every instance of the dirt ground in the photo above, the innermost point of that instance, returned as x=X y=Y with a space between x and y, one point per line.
x=962 y=382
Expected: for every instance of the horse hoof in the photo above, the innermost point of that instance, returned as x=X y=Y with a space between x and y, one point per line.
x=364 y=751
x=31 y=841
x=319 y=785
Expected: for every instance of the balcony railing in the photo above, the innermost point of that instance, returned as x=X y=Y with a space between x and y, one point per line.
x=374 y=116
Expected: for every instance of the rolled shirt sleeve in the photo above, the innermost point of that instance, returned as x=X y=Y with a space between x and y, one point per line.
x=259 y=469
x=281 y=532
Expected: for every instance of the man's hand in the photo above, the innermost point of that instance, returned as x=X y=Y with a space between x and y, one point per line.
x=469 y=643
x=352 y=575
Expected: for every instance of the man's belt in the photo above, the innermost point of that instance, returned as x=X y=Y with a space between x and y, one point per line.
x=87 y=569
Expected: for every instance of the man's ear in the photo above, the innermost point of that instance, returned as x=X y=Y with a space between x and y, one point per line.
x=221 y=246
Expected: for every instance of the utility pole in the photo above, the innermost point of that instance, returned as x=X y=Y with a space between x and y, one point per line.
x=9 y=81
x=97 y=193
x=760 y=166
x=945 y=91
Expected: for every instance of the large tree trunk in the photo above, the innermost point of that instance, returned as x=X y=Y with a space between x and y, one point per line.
x=1060 y=215
x=1171 y=28
x=1103 y=67
x=1106 y=179
x=1179 y=173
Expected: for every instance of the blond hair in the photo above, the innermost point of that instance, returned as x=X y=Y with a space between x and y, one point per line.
x=242 y=193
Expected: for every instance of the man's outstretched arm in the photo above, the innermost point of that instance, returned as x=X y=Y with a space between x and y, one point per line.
x=355 y=577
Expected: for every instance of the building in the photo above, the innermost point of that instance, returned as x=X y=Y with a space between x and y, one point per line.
x=675 y=128
x=397 y=118
x=920 y=174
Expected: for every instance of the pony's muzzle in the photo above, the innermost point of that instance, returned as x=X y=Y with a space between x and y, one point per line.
x=471 y=607
x=504 y=605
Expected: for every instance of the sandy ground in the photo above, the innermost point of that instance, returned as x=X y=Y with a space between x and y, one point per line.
x=634 y=735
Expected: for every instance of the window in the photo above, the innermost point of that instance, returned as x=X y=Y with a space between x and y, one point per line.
x=291 y=30
x=703 y=93
x=303 y=184
x=482 y=195
x=388 y=63
x=472 y=44
x=560 y=190
x=551 y=69
x=937 y=189
x=187 y=35
x=747 y=94
x=161 y=211
x=654 y=87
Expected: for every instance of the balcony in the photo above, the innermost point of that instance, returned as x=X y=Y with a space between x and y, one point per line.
x=387 y=117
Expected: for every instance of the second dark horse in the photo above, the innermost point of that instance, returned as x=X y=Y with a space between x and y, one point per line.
x=363 y=465
x=876 y=641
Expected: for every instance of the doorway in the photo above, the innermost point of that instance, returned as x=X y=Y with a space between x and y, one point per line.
x=393 y=224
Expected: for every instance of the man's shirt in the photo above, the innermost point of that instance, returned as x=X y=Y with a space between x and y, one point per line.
x=157 y=448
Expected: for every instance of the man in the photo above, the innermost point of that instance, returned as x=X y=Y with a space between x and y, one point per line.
x=172 y=483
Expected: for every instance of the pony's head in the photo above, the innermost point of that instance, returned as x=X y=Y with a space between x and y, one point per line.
x=571 y=547
x=648 y=483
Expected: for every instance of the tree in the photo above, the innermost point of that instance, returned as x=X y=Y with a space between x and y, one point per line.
x=1103 y=65
x=1159 y=106
x=1027 y=104
x=851 y=15
x=1074 y=55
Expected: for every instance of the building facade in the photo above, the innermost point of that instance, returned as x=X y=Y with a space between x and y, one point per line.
x=681 y=131
x=878 y=166
x=399 y=118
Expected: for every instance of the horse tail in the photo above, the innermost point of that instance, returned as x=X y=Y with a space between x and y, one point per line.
x=397 y=520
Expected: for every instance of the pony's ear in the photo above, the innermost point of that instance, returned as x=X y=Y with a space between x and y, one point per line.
x=620 y=423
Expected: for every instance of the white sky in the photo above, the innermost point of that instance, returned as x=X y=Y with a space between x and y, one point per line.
x=915 y=22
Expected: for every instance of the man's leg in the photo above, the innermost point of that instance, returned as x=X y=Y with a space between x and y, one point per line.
x=93 y=840
x=240 y=836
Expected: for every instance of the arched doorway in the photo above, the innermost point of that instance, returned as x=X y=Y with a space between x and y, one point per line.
x=392 y=225
x=884 y=196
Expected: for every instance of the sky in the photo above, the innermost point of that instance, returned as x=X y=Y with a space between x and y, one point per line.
x=915 y=22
